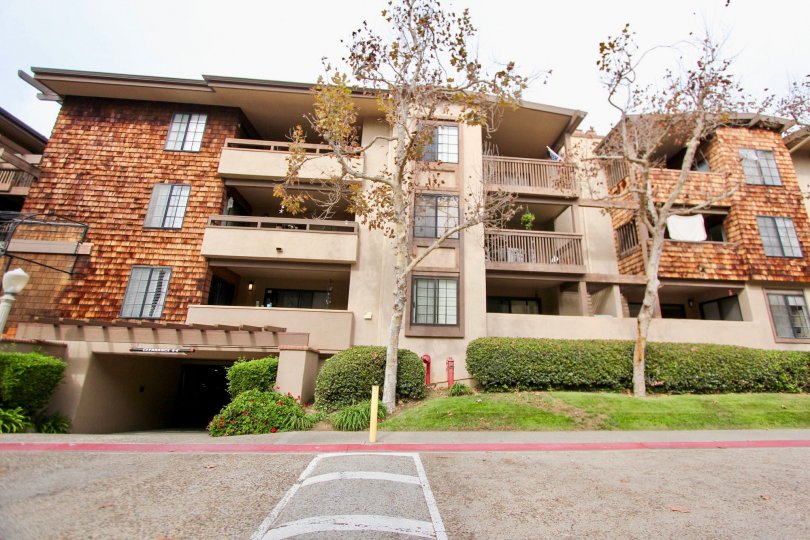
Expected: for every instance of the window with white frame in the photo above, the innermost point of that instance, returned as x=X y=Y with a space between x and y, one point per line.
x=779 y=236
x=167 y=207
x=759 y=167
x=435 y=301
x=443 y=145
x=789 y=313
x=146 y=292
x=186 y=132
x=434 y=215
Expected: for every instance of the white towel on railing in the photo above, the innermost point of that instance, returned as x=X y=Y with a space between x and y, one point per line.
x=687 y=228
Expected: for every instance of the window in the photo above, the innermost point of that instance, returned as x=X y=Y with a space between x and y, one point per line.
x=723 y=309
x=186 y=132
x=167 y=208
x=627 y=235
x=435 y=215
x=295 y=298
x=789 y=313
x=435 y=301
x=528 y=306
x=779 y=237
x=759 y=167
x=443 y=146
x=146 y=292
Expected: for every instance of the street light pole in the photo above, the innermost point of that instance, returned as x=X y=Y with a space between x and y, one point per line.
x=13 y=284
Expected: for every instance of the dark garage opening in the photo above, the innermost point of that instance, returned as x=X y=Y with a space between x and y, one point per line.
x=202 y=393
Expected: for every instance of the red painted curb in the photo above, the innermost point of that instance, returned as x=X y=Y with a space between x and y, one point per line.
x=229 y=448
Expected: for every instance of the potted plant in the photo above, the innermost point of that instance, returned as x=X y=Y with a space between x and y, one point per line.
x=527 y=220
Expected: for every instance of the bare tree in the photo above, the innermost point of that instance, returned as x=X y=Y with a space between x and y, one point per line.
x=426 y=71
x=690 y=105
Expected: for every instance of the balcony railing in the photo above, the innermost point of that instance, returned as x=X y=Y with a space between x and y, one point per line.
x=255 y=159
x=287 y=224
x=260 y=238
x=11 y=179
x=534 y=251
x=530 y=175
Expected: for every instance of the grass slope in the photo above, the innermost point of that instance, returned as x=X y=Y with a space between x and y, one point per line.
x=558 y=411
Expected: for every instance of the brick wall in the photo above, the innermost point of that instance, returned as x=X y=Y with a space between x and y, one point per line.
x=101 y=163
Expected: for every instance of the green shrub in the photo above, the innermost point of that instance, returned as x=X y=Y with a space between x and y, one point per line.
x=27 y=380
x=540 y=364
x=711 y=369
x=347 y=377
x=54 y=423
x=356 y=417
x=13 y=420
x=459 y=389
x=522 y=363
x=254 y=411
x=259 y=374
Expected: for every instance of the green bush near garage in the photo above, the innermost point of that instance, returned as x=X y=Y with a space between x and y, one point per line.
x=540 y=364
x=347 y=377
x=27 y=380
x=257 y=412
x=258 y=374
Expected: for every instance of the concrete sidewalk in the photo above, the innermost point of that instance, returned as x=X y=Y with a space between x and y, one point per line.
x=444 y=439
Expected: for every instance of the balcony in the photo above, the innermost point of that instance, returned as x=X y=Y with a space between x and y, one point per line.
x=530 y=176
x=703 y=260
x=534 y=251
x=698 y=186
x=329 y=330
x=259 y=238
x=15 y=182
x=267 y=160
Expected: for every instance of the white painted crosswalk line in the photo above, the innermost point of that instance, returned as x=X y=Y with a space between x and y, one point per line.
x=364 y=519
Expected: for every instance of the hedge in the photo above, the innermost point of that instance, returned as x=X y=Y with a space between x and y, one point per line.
x=254 y=411
x=540 y=364
x=27 y=380
x=259 y=374
x=347 y=377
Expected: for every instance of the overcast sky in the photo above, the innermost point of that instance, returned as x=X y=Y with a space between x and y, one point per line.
x=285 y=40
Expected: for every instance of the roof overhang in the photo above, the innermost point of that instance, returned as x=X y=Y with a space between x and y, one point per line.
x=273 y=107
x=671 y=146
x=25 y=138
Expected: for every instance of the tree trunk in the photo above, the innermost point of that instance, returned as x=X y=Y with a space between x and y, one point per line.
x=646 y=313
x=392 y=348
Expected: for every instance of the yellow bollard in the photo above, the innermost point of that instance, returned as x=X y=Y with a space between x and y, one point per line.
x=372 y=427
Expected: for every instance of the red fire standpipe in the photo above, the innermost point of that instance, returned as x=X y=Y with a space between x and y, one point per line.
x=426 y=360
x=450 y=370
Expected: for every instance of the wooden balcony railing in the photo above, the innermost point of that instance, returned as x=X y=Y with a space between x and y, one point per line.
x=275 y=146
x=287 y=224
x=10 y=179
x=534 y=248
x=544 y=174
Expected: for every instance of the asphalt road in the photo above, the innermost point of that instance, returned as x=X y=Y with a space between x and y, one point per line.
x=694 y=493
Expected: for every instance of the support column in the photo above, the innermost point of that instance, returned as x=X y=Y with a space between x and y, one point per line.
x=583 y=299
x=297 y=371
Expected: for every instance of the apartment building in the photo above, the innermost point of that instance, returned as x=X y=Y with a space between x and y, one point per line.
x=20 y=152
x=188 y=262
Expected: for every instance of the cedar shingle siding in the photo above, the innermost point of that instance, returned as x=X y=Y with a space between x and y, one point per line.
x=742 y=257
x=99 y=168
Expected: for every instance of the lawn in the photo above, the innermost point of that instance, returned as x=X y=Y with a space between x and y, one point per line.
x=560 y=411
